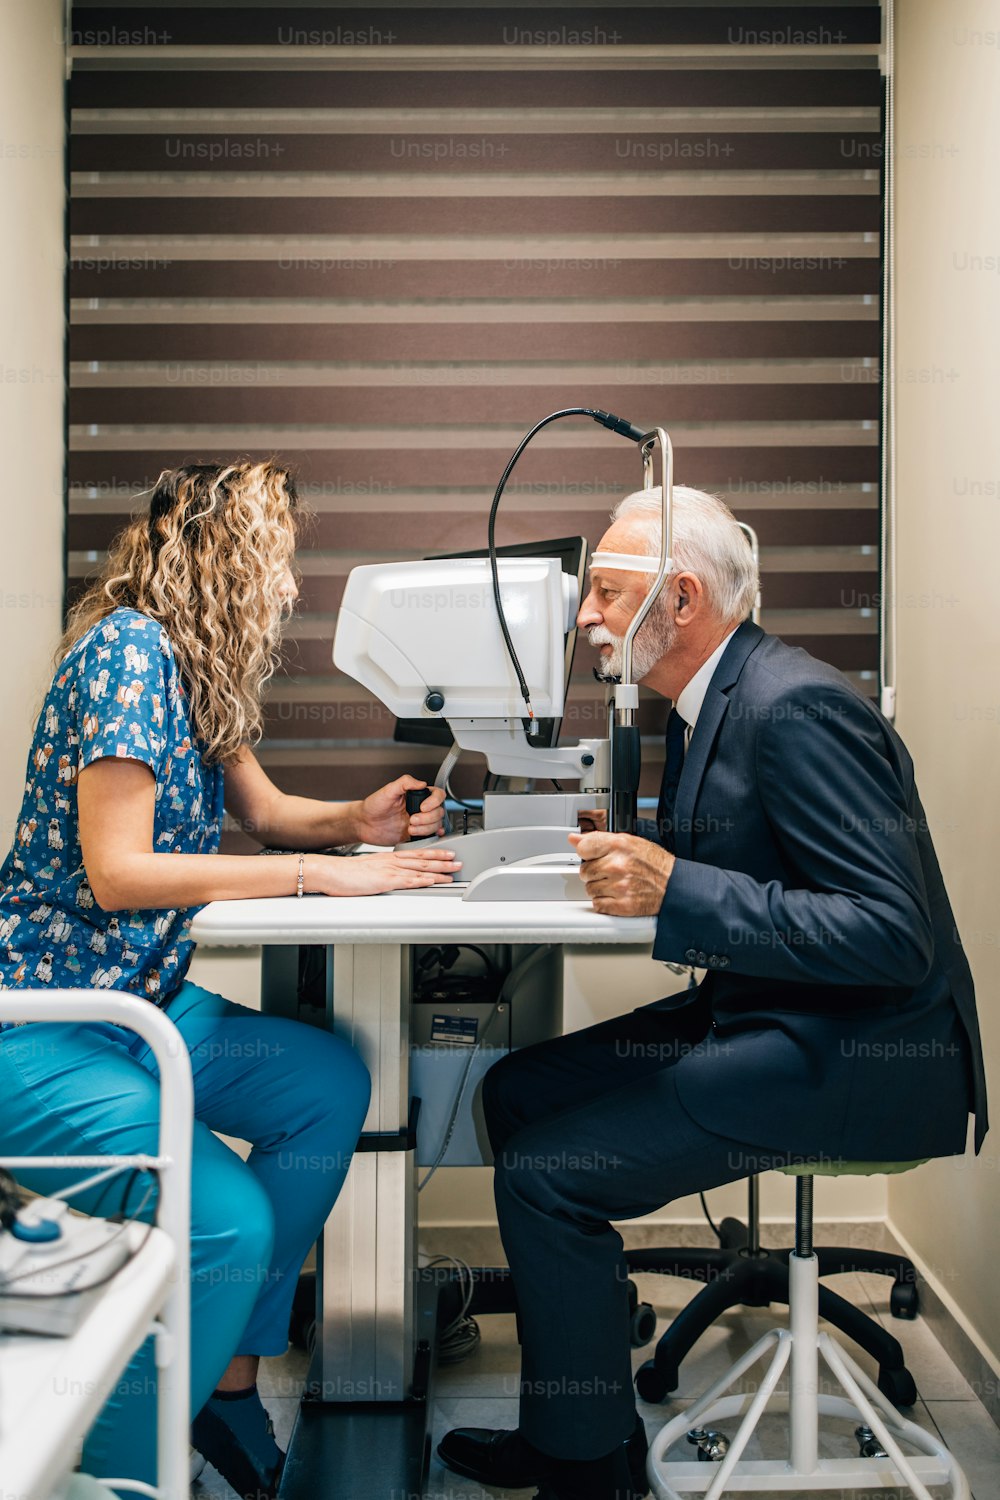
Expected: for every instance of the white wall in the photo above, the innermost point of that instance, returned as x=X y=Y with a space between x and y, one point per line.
x=948 y=379
x=32 y=195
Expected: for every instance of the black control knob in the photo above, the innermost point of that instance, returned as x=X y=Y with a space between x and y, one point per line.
x=434 y=701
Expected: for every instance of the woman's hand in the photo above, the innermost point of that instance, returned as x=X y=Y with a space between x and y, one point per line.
x=592 y=820
x=383 y=819
x=371 y=874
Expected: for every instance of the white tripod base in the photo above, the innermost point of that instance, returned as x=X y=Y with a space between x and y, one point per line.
x=801 y=1346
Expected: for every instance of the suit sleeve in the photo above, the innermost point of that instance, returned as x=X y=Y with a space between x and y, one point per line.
x=645 y=828
x=856 y=910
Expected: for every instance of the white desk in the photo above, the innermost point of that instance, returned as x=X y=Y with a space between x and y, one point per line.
x=426 y=916
x=368 y=1306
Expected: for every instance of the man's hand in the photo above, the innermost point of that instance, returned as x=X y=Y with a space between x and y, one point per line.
x=625 y=876
x=383 y=819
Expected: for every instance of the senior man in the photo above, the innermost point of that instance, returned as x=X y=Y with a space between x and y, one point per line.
x=791 y=860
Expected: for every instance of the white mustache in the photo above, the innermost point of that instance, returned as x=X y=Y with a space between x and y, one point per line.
x=600 y=635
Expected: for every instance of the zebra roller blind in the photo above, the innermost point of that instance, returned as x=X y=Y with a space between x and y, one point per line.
x=382 y=242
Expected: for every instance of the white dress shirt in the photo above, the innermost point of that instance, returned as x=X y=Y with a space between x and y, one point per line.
x=692 y=694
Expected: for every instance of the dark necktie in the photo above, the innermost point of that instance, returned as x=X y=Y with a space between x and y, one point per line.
x=674 y=764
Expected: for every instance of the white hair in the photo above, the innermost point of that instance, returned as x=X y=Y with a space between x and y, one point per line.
x=707 y=541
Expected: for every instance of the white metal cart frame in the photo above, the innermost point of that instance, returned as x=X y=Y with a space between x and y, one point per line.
x=171 y=1322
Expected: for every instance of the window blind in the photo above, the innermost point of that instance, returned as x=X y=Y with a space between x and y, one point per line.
x=381 y=242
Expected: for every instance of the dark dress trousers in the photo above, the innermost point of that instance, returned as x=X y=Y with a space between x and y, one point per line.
x=836 y=1021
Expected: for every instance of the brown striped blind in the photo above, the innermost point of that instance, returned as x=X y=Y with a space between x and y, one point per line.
x=383 y=241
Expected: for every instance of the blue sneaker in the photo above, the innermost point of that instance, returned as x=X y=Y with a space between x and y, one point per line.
x=235 y=1434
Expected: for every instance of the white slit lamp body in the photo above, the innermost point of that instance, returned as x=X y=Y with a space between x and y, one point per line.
x=425 y=638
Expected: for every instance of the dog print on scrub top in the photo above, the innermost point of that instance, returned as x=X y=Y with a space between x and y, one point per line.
x=116 y=693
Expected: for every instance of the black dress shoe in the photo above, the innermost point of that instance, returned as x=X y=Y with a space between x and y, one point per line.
x=504 y=1458
x=492 y=1456
x=616 y=1476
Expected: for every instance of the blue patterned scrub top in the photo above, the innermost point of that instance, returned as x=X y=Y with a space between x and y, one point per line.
x=117 y=692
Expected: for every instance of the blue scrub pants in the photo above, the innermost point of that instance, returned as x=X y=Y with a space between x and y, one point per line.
x=299 y=1095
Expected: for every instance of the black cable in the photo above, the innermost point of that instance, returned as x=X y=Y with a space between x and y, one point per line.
x=120 y=1213
x=112 y=1182
x=569 y=411
x=487 y=960
x=475 y=807
x=447 y=955
x=10 y=1200
x=606 y=419
x=712 y=1224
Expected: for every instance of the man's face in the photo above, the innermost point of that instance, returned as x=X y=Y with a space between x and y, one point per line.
x=615 y=596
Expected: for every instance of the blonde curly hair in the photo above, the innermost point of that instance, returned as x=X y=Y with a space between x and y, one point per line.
x=207 y=561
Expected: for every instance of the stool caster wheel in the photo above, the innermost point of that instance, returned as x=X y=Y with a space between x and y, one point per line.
x=904 y=1299
x=642 y=1326
x=898 y=1386
x=869 y=1445
x=654 y=1384
x=712 y=1446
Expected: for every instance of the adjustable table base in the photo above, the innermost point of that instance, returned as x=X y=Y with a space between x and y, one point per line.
x=375 y=1448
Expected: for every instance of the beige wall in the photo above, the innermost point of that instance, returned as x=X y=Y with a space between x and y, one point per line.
x=31 y=371
x=948 y=381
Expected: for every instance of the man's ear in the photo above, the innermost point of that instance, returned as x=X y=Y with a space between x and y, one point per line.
x=688 y=595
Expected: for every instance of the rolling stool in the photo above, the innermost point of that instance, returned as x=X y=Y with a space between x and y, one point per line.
x=878 y=1426
x=739 y=1273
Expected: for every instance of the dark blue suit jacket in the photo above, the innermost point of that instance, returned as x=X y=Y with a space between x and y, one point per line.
x=807 y=884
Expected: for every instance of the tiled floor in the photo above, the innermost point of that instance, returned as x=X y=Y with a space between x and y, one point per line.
x=481 y=1391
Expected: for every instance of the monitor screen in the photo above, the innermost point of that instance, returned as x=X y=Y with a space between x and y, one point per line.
x=572 y=554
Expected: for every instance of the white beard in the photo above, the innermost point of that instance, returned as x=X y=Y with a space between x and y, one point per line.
x=654 y=639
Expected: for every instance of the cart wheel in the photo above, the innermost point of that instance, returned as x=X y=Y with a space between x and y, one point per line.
x=642 y=1326
x=898 y=1385
x=654 y=1384
x=904 y=1299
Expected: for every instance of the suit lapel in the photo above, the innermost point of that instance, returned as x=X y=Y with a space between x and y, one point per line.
x=713 y=711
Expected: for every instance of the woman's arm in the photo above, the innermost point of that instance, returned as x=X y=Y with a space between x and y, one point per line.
x=269 y=816
x=116 y=800
x=273 y=817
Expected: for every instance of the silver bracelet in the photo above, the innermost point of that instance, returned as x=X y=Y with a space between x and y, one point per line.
x=300 y=883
